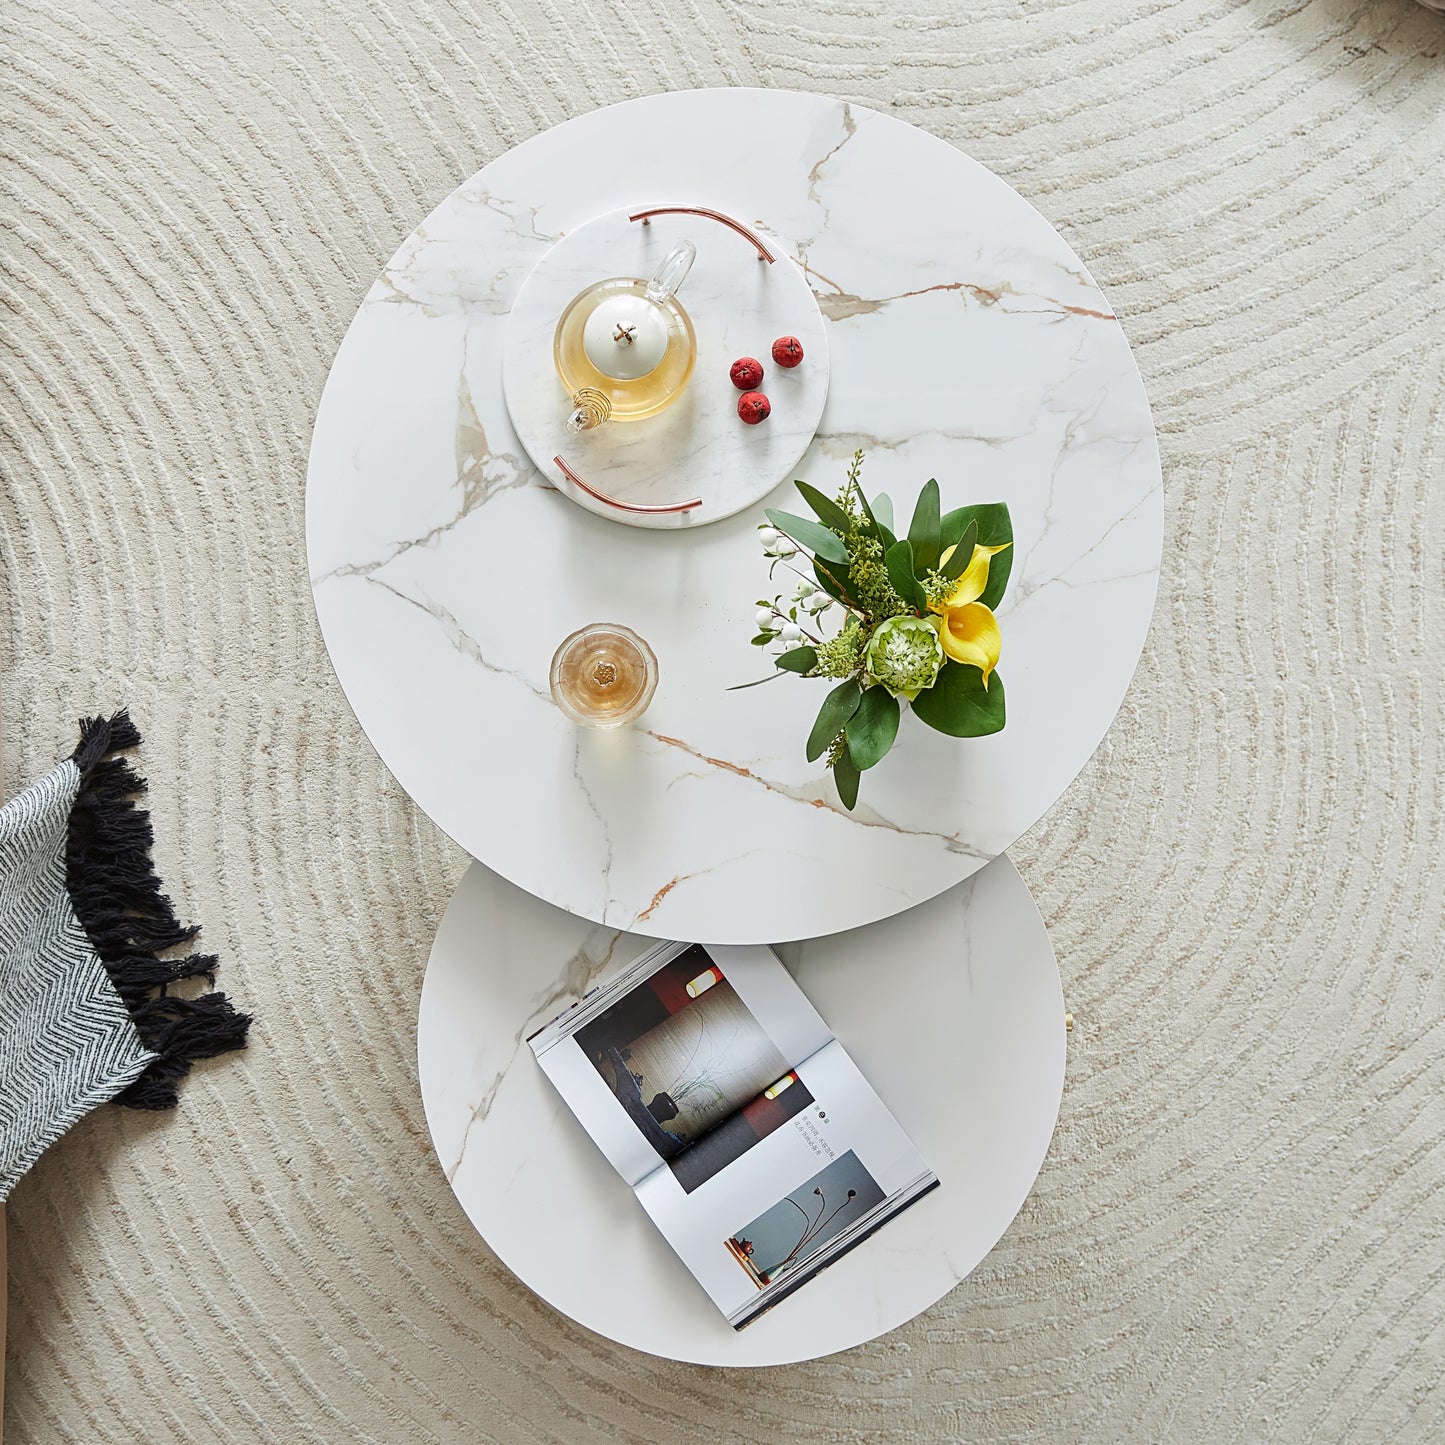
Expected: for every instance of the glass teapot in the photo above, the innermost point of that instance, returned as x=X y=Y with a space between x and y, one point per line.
x=625 y=348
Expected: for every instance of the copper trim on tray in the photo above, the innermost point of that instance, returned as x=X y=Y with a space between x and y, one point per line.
x=622 y=506
x=646 y=218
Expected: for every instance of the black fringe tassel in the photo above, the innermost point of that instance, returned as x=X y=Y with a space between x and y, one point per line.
x=117 y=897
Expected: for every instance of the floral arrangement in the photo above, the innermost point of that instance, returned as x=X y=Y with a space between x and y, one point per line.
x=916 y=621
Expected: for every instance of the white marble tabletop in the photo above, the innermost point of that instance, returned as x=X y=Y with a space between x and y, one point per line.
x=952 y=1011
x=968 y=343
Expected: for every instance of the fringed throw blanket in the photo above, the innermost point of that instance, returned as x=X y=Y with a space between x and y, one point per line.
x=86 y=1012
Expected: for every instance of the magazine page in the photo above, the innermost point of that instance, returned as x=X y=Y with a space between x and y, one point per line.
x=658 y=1062
x=832 y=1166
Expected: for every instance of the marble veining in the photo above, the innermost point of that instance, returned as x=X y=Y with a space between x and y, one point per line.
x=967 y=343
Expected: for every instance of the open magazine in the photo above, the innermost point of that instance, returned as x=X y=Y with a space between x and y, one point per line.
x=746 y=1131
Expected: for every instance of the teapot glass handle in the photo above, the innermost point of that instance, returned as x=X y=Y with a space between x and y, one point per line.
x=673 y=271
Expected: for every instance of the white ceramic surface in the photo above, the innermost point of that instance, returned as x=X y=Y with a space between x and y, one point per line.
x=968 y=343
x=697 y=447
x=953 y=1012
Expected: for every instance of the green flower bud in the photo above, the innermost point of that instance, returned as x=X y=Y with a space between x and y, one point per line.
x=904 y=654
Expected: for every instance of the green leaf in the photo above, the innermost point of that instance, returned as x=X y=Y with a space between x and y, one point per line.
x=810 y=534
x=833 y=581
x=838 y=707
x=763 y=638
x=923 y=530
x=950 y=528
x=962 y=552
x=957 y=704
x=871 y=730
x=999 y=567
x=995 y=528
x=899 y=561
x=800 y=659
x=771 y=677
x=881 y=528
x=829 y=512
x=883 y=509
x=845 y=776
x=868 y=512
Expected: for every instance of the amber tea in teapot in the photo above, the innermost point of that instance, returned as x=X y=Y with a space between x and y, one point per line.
x=625 y=348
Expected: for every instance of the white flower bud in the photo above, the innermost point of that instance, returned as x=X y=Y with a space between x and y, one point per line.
x=785 y=548
x=768 y=536
x=791 y=632
x=765 y=619
x=803 y=590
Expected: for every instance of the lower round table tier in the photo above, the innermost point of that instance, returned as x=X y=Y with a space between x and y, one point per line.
x=968 y=343
x=952 y=1011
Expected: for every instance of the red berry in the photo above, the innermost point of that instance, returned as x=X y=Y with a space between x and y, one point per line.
x=754 y=407
x=787 y=351
x=747 y=373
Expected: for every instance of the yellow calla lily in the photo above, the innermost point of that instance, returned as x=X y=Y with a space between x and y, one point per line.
x=974 y=578
x=967 y=628
x=970 y=634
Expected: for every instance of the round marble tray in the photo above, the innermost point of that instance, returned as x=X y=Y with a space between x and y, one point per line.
x=953 y=1012
x=968 y=343
x=739 y=303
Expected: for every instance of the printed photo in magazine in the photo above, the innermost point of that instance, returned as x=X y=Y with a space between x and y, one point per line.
x=802 y=1222
x=681 y=1052
x=745 y=1130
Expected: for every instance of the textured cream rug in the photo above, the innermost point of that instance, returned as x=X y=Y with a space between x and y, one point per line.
x=1240 y=1232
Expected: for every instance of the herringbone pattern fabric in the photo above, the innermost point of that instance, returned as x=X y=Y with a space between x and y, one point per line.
x=67 y=1042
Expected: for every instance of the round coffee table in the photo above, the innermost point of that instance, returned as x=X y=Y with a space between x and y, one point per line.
x=968 y=343
x=952 y=1011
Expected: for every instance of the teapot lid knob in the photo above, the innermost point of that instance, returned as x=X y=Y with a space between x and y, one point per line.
x=625 y=337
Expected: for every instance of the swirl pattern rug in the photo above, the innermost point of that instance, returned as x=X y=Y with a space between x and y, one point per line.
x=1238 y=1234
